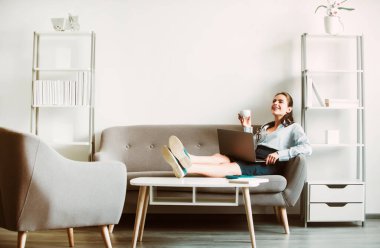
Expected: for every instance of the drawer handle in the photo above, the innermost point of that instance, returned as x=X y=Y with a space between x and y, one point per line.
x=336 y=186
x=336 y=205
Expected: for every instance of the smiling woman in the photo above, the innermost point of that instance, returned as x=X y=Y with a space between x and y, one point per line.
x=278 y=141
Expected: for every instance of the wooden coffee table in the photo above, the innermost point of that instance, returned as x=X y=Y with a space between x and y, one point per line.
x=151 y=197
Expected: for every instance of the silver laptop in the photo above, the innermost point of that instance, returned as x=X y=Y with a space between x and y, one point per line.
x=237 y=145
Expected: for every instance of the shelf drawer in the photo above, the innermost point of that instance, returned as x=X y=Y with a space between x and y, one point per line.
x=336 y=212
x=337 y=193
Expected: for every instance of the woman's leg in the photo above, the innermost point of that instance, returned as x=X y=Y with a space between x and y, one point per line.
x=209 y=170
x=213 y=159
x=186 y=159
x=215 y=170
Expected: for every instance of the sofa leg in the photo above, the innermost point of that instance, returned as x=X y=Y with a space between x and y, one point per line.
x=70 y=235
x=277 y=212
x=284 y=218
x=21 y=239
x=110 y=228
x=106 y=236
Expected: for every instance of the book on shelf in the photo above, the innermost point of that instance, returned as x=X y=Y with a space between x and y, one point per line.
x=313 y=91
x=342 y=103
x=319 y=98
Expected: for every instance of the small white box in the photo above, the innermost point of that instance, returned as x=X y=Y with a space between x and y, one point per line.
x=332 y=136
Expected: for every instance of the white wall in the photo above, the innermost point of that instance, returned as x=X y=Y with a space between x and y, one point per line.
x=186 y=61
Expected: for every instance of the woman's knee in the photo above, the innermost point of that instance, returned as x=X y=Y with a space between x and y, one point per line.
x=222 y=158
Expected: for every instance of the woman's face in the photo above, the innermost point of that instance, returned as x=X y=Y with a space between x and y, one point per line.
x=280 y=106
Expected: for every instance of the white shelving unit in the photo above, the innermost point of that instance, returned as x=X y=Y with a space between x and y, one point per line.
x=335 y=188
x=63 y=73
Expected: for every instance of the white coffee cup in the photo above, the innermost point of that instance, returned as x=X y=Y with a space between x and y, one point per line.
x=245 y=113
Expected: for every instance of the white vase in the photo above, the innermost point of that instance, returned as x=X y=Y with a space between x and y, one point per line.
x=333 y=25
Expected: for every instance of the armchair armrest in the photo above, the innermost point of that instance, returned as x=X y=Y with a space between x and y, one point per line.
x=65 y=193
x=295 y=174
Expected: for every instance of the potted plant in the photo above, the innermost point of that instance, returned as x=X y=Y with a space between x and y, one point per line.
x=333 y=23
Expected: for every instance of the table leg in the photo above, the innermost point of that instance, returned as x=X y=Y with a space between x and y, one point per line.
x=248 y=211
x=145 y=209
x=139 y=211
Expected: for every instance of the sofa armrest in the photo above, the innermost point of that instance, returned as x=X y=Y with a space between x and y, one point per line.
x=295 y=174
x=103 y=156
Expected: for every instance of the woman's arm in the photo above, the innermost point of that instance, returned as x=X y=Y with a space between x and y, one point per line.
x=298 y=145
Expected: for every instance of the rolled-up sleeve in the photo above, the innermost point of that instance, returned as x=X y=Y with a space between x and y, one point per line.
x=299 y=144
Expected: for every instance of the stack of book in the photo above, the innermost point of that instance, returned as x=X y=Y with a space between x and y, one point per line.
x=342 y=103
x=61 y=92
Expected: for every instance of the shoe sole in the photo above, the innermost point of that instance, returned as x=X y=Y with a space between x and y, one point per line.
x=171 y=160
x=178 y=150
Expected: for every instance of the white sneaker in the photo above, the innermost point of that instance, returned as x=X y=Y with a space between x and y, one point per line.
x=173 y=162
x=179 y=151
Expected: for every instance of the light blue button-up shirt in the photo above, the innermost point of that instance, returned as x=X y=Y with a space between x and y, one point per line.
x=290 y=141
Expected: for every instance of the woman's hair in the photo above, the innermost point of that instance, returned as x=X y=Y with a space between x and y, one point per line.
x=287 y=119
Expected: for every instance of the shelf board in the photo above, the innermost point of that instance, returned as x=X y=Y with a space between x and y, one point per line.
x=332 y=108
x=69 y=33
x=61 y=69
x=337 y=145
x=337 y=181
x=342 y=36
x=61 y=106
x=332 y=71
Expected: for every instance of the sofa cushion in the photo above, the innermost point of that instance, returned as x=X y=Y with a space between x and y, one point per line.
x=139 y=147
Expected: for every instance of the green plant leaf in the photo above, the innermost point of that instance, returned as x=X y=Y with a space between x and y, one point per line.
x=349 y=9
x=320 y=6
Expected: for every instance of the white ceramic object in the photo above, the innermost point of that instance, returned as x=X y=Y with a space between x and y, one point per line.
x=72 y=23
x=245 y=113
x=333 y=25
x=58 y=24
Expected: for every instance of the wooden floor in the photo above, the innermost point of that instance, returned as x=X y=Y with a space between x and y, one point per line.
x=212 y=231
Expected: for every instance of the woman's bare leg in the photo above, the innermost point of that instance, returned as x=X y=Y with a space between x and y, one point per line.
x=215 y=170
x=213 y=159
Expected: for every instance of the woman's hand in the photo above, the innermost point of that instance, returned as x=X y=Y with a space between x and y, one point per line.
x=245 y=121
x=272 y=158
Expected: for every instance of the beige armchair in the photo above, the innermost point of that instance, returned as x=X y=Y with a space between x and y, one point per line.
x=41 y=190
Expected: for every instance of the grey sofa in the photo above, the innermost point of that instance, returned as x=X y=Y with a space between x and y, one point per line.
x=139 y=148
x=41 y=190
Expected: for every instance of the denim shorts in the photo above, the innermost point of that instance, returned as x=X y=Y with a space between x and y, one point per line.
x=260 y=168
x=257 y=169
